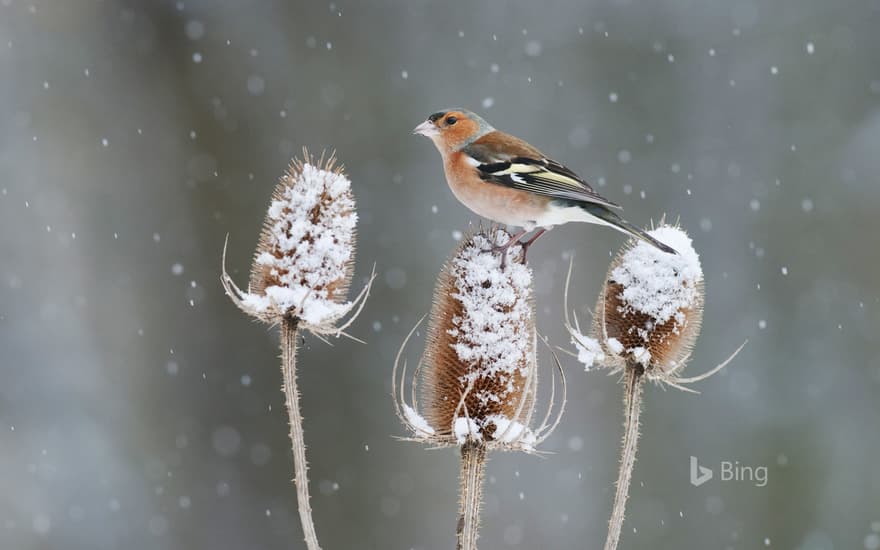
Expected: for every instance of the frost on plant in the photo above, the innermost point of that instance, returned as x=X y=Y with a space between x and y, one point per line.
x=477 y=379
x=303 y=264
x=416 y=421
x=589 y=350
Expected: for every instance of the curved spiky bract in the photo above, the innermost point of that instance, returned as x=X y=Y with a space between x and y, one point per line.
x=304 y=261
x=650 y=309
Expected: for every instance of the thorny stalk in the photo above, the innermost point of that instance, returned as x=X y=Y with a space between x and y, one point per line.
x=291 y=393
x=473 y=469
x=632 y=401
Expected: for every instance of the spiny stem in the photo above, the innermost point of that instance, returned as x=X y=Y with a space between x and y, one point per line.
x=473 y=468
x=632 y=402
x=300 y=467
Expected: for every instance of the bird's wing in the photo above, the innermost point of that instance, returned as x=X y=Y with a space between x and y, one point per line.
x=507 y=160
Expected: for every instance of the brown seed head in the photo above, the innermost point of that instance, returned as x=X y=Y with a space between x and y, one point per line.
x=478 y=374
x=651 y=306
x=305 y=256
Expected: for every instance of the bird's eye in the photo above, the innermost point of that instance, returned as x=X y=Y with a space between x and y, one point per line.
x=450 y=120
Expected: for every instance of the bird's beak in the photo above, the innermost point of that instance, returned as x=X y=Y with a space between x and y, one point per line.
x=427 y=129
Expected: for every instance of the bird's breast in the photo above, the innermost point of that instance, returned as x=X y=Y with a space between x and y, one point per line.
x=492 y=201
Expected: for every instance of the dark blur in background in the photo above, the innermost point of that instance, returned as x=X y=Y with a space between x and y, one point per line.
x=139 y=409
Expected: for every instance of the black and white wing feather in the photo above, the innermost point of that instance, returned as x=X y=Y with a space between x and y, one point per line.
x=532 y=172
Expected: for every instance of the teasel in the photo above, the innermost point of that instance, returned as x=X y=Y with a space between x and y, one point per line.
x=647 y=320
x=476 y=383
x=300 y=277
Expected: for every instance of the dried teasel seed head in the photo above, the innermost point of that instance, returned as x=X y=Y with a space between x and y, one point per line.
x=478 y=376
x=479 y=361
x=304 y=260
x=651 y=306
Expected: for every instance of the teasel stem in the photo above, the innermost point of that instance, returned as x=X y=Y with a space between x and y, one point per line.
x=291 y=394
x=632 y=402
x=473 y=469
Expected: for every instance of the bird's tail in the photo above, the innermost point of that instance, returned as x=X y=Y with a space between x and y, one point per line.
x=613 y=219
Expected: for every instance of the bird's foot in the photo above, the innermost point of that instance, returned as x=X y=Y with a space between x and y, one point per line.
x=527 y=244
x=504 y=248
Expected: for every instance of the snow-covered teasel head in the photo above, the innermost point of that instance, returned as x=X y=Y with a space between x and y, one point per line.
x=477 y=379
x=651 y=307
x=304 y=260
x=649 y=311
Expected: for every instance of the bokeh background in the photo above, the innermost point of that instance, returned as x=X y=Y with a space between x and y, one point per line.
x=139 y=409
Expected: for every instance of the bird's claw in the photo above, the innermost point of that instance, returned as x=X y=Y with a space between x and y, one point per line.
x=503 y=250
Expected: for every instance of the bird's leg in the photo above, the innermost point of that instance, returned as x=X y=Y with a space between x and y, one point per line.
x=504 y=247
x=528 y=243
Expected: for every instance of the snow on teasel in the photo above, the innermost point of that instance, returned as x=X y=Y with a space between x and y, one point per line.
x=478 y=376
x=304 y=260
x=493 y=329
x=589 y=350
x=658 y=284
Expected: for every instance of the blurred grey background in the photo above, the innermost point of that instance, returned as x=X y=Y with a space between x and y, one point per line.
x=140 y=409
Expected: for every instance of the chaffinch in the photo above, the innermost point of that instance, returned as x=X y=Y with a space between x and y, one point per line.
x=505 y=179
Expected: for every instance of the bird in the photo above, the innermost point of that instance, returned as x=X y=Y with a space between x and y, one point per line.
x=509 y=181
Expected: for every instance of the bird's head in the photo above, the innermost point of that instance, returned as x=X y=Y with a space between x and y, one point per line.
x=452 y=129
